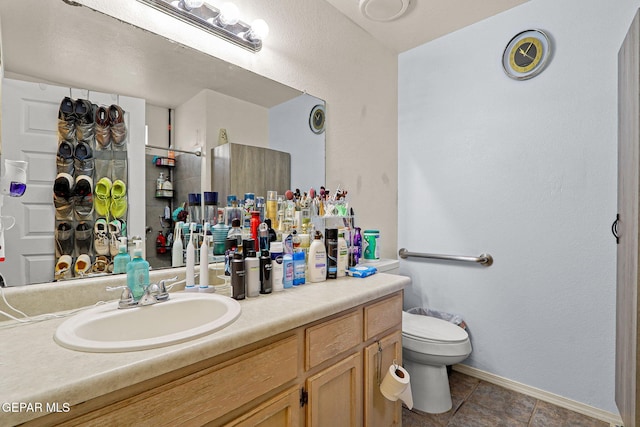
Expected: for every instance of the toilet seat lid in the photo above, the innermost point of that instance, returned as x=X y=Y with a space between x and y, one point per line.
x=427 y=328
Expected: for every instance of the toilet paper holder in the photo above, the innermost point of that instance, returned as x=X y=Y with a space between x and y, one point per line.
x=379 y=365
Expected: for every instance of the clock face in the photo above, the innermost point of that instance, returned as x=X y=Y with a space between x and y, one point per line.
x=317 y=119
x=526 y=54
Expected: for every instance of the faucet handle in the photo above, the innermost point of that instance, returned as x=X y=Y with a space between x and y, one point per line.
x=161 y=284
x=126 y=298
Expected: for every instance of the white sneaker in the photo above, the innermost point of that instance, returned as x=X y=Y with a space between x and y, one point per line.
x=101 y=239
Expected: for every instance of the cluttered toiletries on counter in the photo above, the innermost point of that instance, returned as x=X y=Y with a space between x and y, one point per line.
x=261 y=245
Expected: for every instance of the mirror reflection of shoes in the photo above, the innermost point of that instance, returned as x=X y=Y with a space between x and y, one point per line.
x=64 y=239
x=118 y=199
x=63 y=186
x=117 y=126
x=84 y=162
x=117 y=229
x=64 y=157
x=84 y=120
x=84 y=237
x=103 y=196
x=63 y=268
x=67 y=119
x=82 y=266
x=100 y=265
x=101 y=239
x=102 y=128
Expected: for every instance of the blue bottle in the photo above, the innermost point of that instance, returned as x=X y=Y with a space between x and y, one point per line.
x=299 y=267
x=137 y=272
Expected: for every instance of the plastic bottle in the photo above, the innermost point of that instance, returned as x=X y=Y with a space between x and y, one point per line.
x=356 y=249
x=287 y=266
x=299 y=267
x=317 y=260
x=252 y=274
x=265 y=272
x=177 y=256
x=263 y=237
x=277 y=268
x=137 y=272
x=235 y=235
x=204 y=258
x=121 y=260
x=238 y=288
x=371 y=248
x=254 y=224
x=331 y=245
x=343 y=254
x=191 y=261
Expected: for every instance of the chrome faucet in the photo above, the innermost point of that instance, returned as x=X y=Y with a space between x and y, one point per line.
x=153 y=294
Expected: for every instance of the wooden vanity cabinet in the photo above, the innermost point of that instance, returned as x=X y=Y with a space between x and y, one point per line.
x=321 y=374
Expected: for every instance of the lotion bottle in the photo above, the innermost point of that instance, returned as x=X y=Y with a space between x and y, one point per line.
x=317 y=260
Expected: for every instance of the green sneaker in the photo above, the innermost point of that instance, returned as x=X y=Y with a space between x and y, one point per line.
x=118 y=199
x=102 y=201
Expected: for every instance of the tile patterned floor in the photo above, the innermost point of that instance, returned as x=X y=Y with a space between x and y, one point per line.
x=478 y=403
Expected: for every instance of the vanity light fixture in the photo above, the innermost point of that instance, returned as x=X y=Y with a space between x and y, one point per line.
x=222 y=22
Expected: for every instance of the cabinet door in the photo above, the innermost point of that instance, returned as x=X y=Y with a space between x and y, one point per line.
x=378 y=411
x=335 y=395
x=281 y=411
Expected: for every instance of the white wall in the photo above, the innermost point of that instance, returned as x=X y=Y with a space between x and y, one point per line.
x=524 y=170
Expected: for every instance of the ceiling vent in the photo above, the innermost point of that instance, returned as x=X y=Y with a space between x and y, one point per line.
x=383 y=10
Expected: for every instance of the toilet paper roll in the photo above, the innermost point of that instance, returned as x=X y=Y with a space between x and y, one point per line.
x=397 y=385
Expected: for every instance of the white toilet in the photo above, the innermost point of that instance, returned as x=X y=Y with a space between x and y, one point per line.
x=428 y=346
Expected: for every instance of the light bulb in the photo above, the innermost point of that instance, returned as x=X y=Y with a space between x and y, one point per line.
x=229 y=14
x=193 y=4
x=259 y=30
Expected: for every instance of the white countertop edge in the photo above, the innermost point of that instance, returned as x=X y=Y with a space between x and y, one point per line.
x=33 y=368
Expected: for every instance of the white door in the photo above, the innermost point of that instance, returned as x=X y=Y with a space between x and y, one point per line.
x=29 y=125
x=29 y=132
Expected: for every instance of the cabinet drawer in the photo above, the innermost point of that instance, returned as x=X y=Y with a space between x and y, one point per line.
x=331 y=338
x=382 y=316
x=209 y=394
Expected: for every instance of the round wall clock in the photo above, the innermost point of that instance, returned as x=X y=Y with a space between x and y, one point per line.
x=526 y=54
x=316 y=119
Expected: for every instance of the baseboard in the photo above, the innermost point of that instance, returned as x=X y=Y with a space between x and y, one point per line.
x=554 y=399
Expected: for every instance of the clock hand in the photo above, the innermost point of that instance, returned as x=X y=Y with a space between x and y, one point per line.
x=527 y=51
x=523 y=53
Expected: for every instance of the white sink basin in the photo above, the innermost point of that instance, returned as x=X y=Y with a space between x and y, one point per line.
x=185 y=316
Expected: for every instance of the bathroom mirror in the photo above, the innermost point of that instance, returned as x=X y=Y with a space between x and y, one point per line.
x=56 y=43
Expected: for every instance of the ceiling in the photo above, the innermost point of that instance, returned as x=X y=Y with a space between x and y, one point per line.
x=423 y=20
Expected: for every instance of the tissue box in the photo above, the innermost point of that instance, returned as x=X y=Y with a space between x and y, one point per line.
x=361 y=271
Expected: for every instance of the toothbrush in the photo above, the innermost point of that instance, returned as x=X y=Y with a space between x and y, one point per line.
x=190 y=260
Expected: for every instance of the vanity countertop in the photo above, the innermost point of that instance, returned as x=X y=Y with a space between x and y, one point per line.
x=34 y=369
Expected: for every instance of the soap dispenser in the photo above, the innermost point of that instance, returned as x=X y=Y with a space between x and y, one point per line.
x=121 y=260
x=137 y=272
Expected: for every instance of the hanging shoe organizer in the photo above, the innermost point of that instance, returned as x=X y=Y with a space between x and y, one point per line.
x=90 y=189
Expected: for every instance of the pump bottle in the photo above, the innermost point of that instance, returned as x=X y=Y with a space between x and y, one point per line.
x=317 y=260
x=137 y=272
